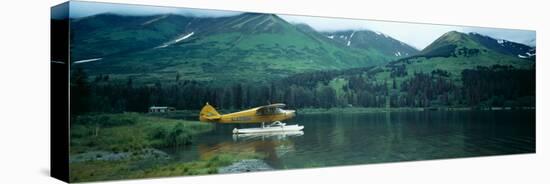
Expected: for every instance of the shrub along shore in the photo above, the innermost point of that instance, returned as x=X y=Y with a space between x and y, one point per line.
x=128 y=145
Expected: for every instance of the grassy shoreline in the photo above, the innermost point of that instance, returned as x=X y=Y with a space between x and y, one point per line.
x=128 y=132
x=135 y=169
x=193 y=114
x=399 y=109
x=127 y=145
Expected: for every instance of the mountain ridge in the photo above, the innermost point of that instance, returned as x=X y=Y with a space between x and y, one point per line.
x=259 y=47
x=196 y=46
x=367 y=39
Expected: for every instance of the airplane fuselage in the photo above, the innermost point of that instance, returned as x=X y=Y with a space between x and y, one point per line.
x=250 y=116
x=262 y=114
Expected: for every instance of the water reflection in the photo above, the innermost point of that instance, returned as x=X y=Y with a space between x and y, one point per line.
x=267 y=136
x=271 y=145
x=343 y=139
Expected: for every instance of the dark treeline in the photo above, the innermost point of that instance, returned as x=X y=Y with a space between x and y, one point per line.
x=425 y=90
x=499 y=86
x=480 y=87
x=495 y=86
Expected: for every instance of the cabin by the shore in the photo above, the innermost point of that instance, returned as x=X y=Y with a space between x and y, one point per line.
x=155 y=109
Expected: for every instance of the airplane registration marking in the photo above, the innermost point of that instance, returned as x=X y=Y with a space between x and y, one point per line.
x=242 y=118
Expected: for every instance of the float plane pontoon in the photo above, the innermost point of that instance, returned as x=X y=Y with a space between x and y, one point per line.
x=272 y=113
x=267 y=136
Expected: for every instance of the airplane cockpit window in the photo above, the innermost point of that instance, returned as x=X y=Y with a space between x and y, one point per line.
x=260 y=112
x=269 y=111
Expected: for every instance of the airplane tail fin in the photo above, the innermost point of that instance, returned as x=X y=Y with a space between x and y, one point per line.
x=208 y=113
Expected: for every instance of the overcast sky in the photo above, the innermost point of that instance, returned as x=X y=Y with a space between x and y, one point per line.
x=417 y=35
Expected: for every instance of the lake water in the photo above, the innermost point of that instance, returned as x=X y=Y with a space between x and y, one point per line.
x=344 y=139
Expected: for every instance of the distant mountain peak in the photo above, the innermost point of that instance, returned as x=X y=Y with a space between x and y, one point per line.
x=454 y=36
x=256 y=23
x=449 y=43
x=260 y=16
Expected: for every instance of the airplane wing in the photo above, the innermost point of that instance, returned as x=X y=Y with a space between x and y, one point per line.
x=277 y=105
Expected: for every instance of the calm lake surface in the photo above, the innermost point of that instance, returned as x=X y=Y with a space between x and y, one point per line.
x=361 y=138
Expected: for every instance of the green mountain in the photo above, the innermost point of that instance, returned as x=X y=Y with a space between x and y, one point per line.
x=105 y=35
x=373 y=41
x=505 y=47
x=248 y=59
x=456 y=70
x=455 y=51
x=249 y=47
x=448 y=65
x=461 y=44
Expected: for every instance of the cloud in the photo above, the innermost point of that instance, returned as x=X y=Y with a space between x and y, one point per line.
x=515 y=35
x=416 y=35
x=81 y=9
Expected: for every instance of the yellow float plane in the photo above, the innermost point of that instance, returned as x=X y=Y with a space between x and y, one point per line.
x=272 y=113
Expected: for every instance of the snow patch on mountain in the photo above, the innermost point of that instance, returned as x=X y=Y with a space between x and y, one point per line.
x=184 y=37
x=176 y=40
x=87 y=60
x=350 y=36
